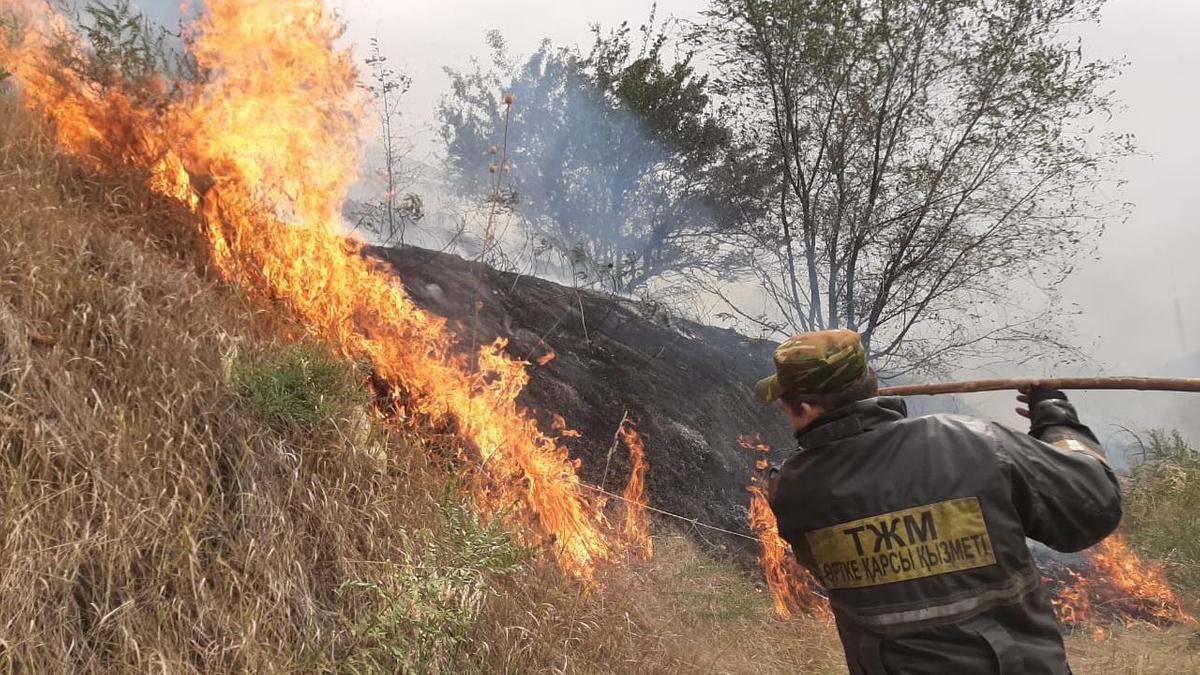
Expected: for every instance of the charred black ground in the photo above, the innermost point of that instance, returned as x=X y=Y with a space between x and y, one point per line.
x=688 y=386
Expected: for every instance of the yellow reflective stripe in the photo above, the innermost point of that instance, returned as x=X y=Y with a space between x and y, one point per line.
x=1074 y=445
x=1071 y=444
x=913 y=543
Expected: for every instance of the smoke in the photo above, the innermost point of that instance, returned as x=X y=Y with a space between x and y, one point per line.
x=1136 y=300
x=590 y=188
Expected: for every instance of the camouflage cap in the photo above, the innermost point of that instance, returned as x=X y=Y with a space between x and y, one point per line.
x=821 y=362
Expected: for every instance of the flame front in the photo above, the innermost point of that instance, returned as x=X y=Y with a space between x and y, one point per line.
x=793 y=588
x=1071 y=602
x=637 y=523
x=264 y=151
x=1122 y=585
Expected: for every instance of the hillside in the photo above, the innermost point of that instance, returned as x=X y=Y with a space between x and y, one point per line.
x=687 y=386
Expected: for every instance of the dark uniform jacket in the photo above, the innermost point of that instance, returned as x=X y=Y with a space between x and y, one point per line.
x=916 y=527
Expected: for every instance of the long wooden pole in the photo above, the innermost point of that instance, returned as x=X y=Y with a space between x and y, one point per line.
x=1191 y=384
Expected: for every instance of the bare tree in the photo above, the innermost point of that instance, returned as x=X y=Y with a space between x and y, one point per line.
x=931 y=158
x=388 y=216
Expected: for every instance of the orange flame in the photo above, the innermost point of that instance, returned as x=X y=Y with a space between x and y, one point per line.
x=1072 y=603
x=793 y=588
x=274 y=133
x=546 y=358
x=754 y=442
x=1135 y=578
x=637 y=524
x=559 y=424
x=1125 y=586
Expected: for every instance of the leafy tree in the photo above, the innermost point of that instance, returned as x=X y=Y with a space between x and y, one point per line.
x=930 y=159
x=126 y=48
x=616 y=159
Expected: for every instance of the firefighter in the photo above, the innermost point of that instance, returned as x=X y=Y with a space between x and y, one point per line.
x=917 y=526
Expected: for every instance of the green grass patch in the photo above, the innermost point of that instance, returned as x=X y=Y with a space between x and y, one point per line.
x=716 y=593
x=300 y=386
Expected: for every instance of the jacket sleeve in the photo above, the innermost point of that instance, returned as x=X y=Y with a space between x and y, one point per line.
x=1066 y=494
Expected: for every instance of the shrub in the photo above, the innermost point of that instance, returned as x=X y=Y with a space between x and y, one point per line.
x=418 y=616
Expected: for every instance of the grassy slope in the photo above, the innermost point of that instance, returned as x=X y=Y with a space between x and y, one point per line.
x=146 y=519
x=165 y=508
x=169 y=505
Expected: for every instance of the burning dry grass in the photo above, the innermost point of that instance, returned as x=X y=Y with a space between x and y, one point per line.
x=149 y=522
x=263 y=151
x=171 y=505
x=636 y=531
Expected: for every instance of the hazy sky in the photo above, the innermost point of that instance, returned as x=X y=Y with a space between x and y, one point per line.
x=1137 y=299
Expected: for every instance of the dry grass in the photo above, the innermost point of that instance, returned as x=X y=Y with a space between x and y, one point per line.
x=160 y=514
x=1136 y=650
x=681 y=612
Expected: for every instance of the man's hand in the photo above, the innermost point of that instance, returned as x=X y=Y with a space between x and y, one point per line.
x=1031 y=396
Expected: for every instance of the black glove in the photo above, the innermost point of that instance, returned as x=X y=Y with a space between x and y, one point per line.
x=1039 y=393
x=1031 y=397
x=1050 y=408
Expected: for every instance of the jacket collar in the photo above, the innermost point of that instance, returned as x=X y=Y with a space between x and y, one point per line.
x=851 y=420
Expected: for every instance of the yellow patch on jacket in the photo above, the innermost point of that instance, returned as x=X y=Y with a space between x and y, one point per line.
x=922 y=541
